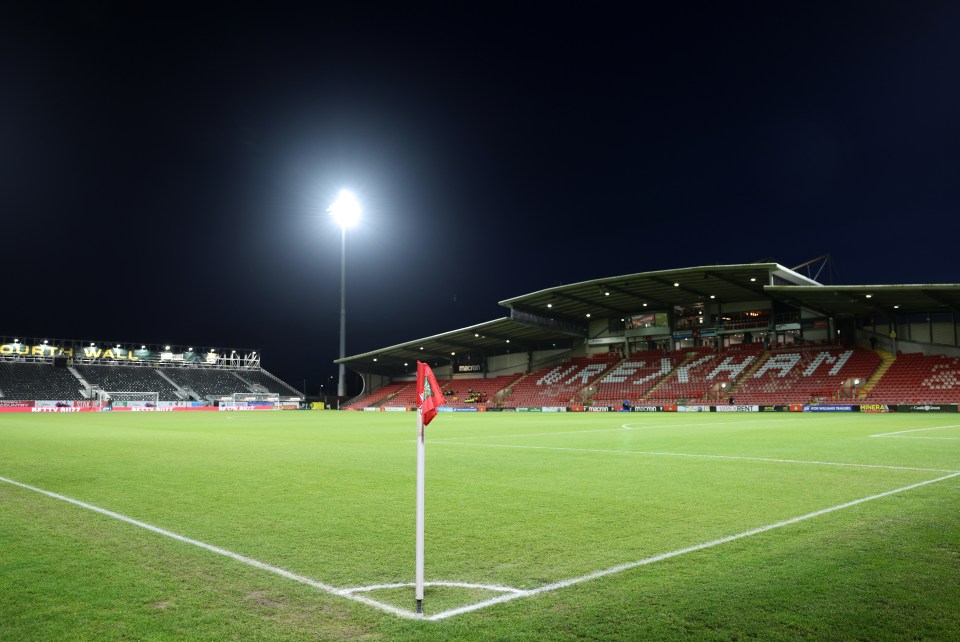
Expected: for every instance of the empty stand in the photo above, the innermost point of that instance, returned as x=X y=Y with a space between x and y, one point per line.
x=559 y=385
x=919 y=378
x=700 y=372
x=122 y=378
x=38 y=381
x=259 y=380
x=797 y=376
x=633 y=378
x=207 y=383
x=377 y=397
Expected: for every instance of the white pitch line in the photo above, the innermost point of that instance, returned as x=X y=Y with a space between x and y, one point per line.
x=903 y=432
x=487 y=587
x=912 y=437
x=690 y=549
x=702 y=456
x=588 y=432
x=326 y=588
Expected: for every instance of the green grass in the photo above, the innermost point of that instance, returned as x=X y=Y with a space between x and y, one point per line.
x=517 y=500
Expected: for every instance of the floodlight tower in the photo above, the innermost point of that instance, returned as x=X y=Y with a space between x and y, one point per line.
x=346 y=213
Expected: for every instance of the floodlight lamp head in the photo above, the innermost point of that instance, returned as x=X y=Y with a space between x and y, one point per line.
x=346 y=210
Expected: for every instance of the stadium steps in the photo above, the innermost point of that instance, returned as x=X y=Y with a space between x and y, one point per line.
x=886 y=362
x=87 y=394
x=665 y=380
x=586 y=393
x=183 y=394
x=382 y=402
x=748 y=372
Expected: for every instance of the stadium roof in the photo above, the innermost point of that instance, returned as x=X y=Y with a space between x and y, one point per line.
x=556 y=315
x=493 y=337
x=847 y=300
x=628 y=295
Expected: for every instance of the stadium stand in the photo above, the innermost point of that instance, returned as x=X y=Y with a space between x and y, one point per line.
x=38 y=381
x=794 y=375
x=700 y=371
x=480 y=391
x=374 y=399
x=559 y=385
x=919 y=378
x=123 y=378
x=206 y=383
x=263 y=382
x=633 y=378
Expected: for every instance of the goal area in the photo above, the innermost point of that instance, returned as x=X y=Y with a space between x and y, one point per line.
x=256 y=397
x=128 y=398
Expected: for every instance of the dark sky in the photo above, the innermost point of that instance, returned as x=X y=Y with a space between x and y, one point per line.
x=165 y=170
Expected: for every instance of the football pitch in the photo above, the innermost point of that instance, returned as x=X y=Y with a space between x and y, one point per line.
x=553 y=526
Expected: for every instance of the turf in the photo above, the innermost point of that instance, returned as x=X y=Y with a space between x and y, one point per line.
x=524 y=501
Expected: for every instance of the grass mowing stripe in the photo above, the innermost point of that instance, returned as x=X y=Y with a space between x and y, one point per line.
x=690 y=549
x=695 y=455
x=349 y=594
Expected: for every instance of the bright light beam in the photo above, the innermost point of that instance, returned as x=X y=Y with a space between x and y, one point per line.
x=346 y=209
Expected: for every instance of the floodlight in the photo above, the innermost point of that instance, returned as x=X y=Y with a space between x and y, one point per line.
x=346 y=209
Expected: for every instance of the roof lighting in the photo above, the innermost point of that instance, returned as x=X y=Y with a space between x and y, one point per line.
x=676 y=285
x=869 y=296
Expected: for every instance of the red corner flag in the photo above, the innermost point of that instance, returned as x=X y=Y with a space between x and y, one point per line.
x=429 y=396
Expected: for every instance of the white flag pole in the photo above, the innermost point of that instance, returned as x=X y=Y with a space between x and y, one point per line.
x=421 y=460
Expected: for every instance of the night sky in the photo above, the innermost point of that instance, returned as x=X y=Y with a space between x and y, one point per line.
x=166 y=169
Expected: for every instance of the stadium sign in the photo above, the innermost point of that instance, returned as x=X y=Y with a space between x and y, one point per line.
x=469 y=368
x=945 y=407
x=875 y=407
x=13 y=403
x=828 y=408
x=736 y=408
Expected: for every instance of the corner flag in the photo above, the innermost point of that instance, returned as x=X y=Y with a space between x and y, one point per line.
x=429 y=396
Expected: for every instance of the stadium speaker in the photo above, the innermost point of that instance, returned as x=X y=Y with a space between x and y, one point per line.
x=59 y=362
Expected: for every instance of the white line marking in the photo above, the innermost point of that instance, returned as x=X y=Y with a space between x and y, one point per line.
x=509 y=593
x=703 y=456
x=912 y=437
x=690 y=549
x=902 y=432
x=326 y=588
x=587 y=432
x=487 y=587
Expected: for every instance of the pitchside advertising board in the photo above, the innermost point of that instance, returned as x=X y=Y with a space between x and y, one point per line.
x=701 y=408
x=9 y=405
